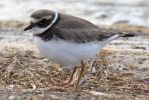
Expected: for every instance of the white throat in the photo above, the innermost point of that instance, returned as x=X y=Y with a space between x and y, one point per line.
x=38 y=30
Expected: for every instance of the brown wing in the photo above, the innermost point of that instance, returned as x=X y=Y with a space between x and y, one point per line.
x=68 y=21
x=75 y=29
x=84 y=35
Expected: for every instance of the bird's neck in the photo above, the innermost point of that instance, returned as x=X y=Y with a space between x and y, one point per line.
x=48 y=33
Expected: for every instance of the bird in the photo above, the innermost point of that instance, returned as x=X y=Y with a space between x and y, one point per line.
x=69 y=40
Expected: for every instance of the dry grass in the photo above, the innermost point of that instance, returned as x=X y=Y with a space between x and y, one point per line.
x=116 y=70
x=26 y=70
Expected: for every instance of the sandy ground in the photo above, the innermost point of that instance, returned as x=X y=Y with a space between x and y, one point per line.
x=122 y=70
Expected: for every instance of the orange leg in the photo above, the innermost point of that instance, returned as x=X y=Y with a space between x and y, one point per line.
x=64 y=83
x=71 y=77
x=79 y=77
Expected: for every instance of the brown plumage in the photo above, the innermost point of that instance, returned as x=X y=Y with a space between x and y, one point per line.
x=74 y=29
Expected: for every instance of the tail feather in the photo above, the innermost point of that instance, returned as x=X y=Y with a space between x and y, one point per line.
x=128 y=34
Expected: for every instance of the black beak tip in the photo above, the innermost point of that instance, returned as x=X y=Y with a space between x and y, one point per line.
x=28 y=28
x=25 y=29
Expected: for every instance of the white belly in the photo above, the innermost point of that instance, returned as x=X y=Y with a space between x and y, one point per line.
x=67 y=53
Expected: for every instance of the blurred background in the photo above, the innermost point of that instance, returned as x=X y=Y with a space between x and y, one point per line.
x=122 y=68
x=104 y=12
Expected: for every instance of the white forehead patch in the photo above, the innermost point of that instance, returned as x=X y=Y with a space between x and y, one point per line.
x=38 y=30
x=33 y=20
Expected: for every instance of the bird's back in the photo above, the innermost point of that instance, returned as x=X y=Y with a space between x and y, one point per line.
x=68 y=21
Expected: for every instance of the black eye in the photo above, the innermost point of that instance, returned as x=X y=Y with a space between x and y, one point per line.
x=43 y=20
x=43 y=23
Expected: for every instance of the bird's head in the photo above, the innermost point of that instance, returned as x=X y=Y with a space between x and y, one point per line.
x=41 y=20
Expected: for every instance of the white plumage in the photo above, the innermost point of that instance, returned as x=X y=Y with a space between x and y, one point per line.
x=69 y=54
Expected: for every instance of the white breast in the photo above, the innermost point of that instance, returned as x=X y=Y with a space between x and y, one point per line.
x=67 y=53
